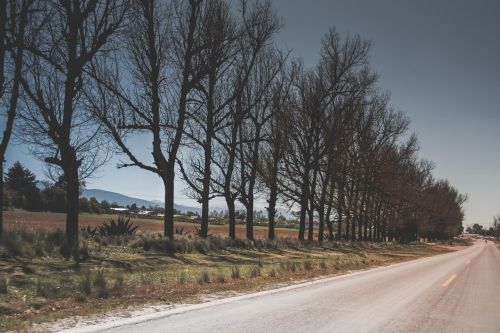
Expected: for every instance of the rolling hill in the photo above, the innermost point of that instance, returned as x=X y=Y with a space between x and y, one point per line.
x=124 y=200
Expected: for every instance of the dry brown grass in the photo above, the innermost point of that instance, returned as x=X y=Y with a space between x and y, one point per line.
x=117 y=276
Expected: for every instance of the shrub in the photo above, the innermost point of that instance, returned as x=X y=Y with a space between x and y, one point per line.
x=204 y=278
x=180 y=231
x=66 y=250
x=89 y=232
x=235 y=272
x=292 y=267
x=221 y=278
x=308 y=265
x=119 y=281
x=4 y=284
x=255 y=271
x=182 y=278
x=37 y=302
x=122 y=226
x=100 y=284
x=272 y=273
x=80 y=298
x=146 y=279
x=322 y=264
x=85 y=285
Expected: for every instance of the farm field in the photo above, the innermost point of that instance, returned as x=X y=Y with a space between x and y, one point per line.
x=52 y=221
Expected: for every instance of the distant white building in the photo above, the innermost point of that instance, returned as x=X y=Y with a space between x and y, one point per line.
x=120 y=210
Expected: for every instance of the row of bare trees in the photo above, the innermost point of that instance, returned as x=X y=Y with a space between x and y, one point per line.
x=225 y=108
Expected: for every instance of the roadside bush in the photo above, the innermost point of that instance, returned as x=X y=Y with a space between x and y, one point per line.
x=119 y=281
x=289 y=266
x=308 y=265
x=235 y=273
x=4 y=284
x=101 y=284
x=122 y=226
x=89 y=232
x=204 y=278
x=221 y=278
x=31 y=243
x=182 y=278
x=85 y=284
x=255 y=271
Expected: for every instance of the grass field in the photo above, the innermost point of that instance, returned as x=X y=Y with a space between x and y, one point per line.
x=51 y=221
x=37 y=284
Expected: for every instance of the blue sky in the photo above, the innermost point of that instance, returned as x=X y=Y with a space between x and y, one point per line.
x=440 y=60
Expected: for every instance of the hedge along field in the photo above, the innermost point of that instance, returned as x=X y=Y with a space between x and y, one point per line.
x=53 y=221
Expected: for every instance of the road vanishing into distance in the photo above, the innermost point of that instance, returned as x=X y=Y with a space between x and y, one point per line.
x=455 y=292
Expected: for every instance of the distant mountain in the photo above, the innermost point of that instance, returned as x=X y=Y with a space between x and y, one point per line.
x=124 y=200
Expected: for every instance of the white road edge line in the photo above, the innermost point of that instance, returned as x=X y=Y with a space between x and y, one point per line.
x=101 y=327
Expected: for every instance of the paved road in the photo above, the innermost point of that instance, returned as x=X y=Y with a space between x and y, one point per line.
x=456 y=292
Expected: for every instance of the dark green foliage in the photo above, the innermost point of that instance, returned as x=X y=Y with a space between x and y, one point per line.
x=89 y=232
x=121 y=227
x=180 y=231
x=21 y=185
x=199 y=233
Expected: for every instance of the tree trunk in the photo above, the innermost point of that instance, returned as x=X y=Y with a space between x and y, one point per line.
x=231 y=217
x=72 y=203
x=207 y=174
x=330 y=228
x=321 y=226
x=271 y=210
x=168 y=223
x=1 y=196
x=249 y=218
x=312 y=194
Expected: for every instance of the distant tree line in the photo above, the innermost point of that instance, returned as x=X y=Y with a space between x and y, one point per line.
x=493 y=231
x=239 y=117
x=23 y=191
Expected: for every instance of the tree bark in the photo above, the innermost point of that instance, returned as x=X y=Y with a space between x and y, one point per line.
x=168 y=222
x=232 y=217
x=72 y=200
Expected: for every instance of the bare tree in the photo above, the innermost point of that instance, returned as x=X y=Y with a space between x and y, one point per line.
x=275 y=143
x=264 y=81
x=54 y=121
x=258 y=24
x=212 y=96
x=13 y=23
x=165 y=56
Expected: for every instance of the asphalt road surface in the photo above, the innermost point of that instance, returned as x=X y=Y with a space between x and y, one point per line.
x=456 y=292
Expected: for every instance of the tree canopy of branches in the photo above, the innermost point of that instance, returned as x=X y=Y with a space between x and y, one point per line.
x=66 y=38
x=227 y=109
